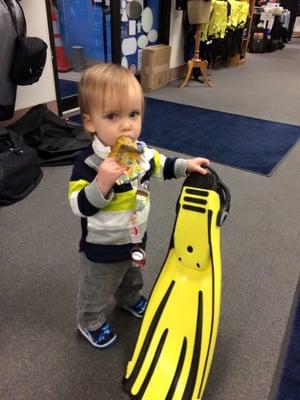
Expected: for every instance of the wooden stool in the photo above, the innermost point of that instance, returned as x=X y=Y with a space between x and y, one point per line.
x=196 y=62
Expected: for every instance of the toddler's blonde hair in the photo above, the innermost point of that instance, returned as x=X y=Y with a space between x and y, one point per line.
x=99 y=82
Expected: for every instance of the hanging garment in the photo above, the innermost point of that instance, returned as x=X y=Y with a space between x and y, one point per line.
x=218 y=19
x=8 y=37
x=238 y=15
x=243 y=13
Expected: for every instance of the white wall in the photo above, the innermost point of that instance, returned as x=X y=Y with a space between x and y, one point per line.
x=176 y=37
x=42 y=91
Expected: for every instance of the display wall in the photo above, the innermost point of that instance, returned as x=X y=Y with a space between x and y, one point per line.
x=139 y=28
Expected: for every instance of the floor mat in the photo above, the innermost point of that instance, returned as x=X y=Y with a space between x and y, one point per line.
x=243 y=142
x=247 y=143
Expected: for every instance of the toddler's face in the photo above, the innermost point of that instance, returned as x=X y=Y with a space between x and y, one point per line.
x=115 y=120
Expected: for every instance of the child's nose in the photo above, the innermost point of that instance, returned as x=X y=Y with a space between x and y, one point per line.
x=126 y=124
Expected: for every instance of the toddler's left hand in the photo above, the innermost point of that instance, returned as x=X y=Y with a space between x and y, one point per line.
x=195 y=165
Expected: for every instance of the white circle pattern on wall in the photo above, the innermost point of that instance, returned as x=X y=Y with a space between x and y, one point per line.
x=142 y=41
x=129 y=46
x=152 y=35
x=134 y=9
x=147 y=19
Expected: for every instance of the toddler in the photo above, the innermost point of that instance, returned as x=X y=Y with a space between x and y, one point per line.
x=112 y=204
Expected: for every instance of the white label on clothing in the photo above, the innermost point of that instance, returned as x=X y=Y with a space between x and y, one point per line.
x=134 y=230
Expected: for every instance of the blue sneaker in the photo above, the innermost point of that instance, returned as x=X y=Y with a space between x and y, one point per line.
x=102 y=337
x=137 y=309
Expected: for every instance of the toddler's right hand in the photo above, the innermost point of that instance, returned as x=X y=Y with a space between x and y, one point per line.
x=109 y=171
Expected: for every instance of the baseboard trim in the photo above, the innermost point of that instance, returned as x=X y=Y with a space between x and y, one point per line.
x=177 y=73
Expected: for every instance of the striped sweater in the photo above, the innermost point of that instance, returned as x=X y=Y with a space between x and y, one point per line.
x=105 y=221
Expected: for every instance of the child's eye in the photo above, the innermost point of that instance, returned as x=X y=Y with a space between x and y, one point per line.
x=111 y=116
x=134 y=114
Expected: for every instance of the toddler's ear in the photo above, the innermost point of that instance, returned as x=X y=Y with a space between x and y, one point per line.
x=88 y=123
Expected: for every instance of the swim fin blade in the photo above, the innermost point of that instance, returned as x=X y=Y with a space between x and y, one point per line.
x=175 y=346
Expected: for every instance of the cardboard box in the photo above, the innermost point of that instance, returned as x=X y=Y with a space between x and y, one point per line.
x=155 y=67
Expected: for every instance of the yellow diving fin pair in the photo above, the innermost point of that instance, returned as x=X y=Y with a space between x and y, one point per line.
x=175 y=346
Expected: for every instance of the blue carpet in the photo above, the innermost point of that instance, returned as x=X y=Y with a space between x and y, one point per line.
x=243 y=142
x=67 y=88
x=247 y=143
x=289 y=388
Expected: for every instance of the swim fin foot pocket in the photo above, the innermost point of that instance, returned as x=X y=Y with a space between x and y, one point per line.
x=174 y=349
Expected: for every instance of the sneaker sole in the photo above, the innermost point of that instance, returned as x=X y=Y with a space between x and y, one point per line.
x=133 y=312
x=98 y=346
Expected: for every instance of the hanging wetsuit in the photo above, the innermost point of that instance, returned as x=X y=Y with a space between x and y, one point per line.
x=218 y=20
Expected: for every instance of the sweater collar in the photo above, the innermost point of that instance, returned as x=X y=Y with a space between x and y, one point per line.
x=99 y=148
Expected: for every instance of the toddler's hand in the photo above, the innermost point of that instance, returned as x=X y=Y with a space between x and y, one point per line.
x=195 y=165
x=109 y=171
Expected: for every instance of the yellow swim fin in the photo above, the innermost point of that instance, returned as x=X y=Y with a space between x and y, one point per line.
x=175 y=346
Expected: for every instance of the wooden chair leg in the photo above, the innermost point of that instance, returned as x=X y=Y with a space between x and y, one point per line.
x=190 y=66
x=203 y=69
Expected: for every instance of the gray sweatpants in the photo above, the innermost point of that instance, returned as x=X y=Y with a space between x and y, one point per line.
x=98 y=283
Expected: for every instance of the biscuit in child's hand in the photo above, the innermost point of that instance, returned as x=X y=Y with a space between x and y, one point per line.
x=127 y=153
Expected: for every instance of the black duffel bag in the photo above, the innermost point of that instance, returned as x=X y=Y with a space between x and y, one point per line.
x=20 y=172
x=57 y=142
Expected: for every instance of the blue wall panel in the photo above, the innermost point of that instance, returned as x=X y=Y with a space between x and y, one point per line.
x=81 y=24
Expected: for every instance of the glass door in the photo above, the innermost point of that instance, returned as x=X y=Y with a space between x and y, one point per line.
x=80 y=35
